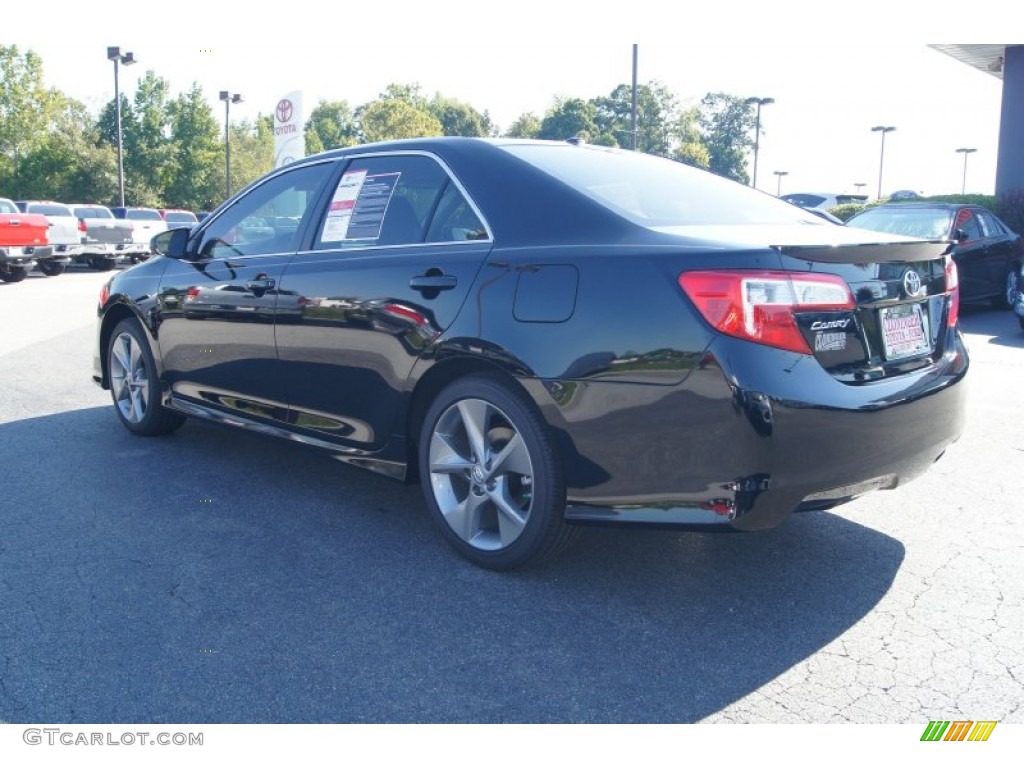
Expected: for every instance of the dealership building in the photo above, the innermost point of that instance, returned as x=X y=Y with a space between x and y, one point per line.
x=1007 y=63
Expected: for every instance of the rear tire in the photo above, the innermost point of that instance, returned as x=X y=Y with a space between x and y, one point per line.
x=134 y=386
x=13 y=274
x=102 y=263
x=52 y=269
x=491 y=476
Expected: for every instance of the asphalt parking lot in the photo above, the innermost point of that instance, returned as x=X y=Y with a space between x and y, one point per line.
x=215 y=576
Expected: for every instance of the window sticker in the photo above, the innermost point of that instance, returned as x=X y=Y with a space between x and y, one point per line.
x=339 y=214
x=358 y=207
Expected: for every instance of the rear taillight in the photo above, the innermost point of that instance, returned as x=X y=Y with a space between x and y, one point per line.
x=104 y=294
x=759 y=306
x=81 y=225
x=953 y=289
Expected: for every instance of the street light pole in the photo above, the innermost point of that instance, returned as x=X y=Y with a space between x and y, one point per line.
x=881 y=160
x=859 y=185
x=778 y=187
x=114 y=54
x=228 y=98
x=966 y=151
x=757 y=129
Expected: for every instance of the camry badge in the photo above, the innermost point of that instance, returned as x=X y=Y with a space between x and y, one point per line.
x=911 y=283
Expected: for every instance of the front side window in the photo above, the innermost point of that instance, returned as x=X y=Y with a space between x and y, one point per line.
x=266 y=219
x=396 y=200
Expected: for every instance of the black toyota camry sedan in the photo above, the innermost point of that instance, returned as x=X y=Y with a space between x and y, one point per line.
x=546 y=335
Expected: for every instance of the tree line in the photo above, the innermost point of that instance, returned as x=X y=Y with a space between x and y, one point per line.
x=51 y=147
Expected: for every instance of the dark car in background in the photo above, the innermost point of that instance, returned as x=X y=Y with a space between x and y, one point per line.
x=547 y=335
x=987 y=253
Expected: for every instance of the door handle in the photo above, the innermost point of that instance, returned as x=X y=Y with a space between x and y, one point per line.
x=260 y=284
x=428 y=282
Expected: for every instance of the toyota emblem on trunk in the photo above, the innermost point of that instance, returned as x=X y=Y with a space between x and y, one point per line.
x=911 y=283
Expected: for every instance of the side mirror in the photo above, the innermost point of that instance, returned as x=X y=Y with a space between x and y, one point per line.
x=959 y=236
x=173 y=243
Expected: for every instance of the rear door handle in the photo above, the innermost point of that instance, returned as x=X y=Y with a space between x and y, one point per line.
x=261 y=284
x=433 y=282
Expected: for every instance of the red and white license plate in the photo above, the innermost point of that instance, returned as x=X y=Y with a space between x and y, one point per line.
x=904 y=331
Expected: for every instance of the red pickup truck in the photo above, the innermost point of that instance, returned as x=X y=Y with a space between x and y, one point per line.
x=23 y=240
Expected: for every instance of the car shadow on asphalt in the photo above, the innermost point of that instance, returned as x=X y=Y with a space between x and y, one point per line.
x=1001 y=326
x=215 y=576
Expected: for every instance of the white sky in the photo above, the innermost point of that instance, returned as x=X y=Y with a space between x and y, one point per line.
x=834 y=69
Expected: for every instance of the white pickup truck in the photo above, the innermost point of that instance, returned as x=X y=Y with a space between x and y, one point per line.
x=145 y=222
x=107 y=238
x=62 y=234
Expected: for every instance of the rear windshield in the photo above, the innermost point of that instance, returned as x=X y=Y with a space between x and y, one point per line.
x=655 y=192
x=142 y=214
x=93 y=213
x=923 y=223
x=180 y=216
x=804 y=200
x=7 y=207
x=49 y=209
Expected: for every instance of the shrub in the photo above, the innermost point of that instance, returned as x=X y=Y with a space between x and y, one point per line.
x=849 y=210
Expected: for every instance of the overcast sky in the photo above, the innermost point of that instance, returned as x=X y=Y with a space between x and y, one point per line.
x=835 y=70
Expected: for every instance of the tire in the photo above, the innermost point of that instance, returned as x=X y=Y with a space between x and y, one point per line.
x=102 y=263
x=134 y=387
x=14 y=274
x=1010 y=287
x=506 y=510
x=52 y=269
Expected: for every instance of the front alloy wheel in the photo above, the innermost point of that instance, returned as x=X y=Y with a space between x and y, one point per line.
x=133 y=384
x=490 y=475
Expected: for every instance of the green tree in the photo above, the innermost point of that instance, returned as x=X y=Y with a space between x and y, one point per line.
x=458 y=118
x=526 y=126
x=331 y=124
x=569 y=117
x=28 y=111
x=726 y=124
x=690 y=147
x=394 y=118
x=196 y=152
x=657 y=123
x=72 y=163
x=145 y=135
x=252 y=153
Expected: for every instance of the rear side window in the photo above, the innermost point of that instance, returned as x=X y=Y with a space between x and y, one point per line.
x=990 y=224
x=49 y=209
x=141 y=214
x=93 y=213
x=397 y=200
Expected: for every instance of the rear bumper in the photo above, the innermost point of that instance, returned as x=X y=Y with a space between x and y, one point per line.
x=752 y=435
x=23 y=255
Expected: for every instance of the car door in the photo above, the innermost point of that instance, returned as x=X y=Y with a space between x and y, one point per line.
x=391 y=264
x=973 y=257
x=218 y=308
x=1001 y=250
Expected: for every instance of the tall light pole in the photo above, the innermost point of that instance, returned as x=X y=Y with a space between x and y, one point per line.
x=859 y=185
x=757 y=129
x=966 y=151
x=778 y=187
x=228 y=98
x=114 y=54
x=881 y=160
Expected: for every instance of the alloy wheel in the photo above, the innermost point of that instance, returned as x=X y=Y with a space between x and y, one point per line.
x=481 y=474
x=129 y=378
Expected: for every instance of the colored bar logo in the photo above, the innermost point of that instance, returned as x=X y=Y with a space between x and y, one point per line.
x=958 y=730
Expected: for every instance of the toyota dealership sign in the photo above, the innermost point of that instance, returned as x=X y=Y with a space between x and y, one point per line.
x=289 y=138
